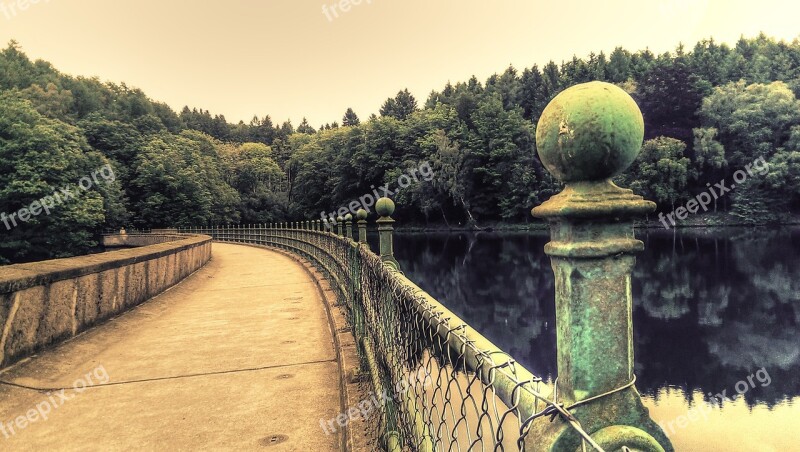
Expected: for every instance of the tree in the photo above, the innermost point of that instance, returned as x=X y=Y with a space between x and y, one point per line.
x=40 y=157
x=753 y=120
x=619 y=66
x=261 y=183
x=305 y=128
x=661 y=172
x=401 y=106
x=350 y=118
x=452 y=174
x=708 y=151
x=709 y=157
x=181 y=183
x=669 y=95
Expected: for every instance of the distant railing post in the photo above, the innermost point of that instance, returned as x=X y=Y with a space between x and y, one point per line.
x=586 y=135
x=385 y=208
x=348 y=222
x=339 y=223
x=361 y=215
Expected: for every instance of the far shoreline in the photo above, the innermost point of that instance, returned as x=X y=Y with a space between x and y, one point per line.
x=712 y=221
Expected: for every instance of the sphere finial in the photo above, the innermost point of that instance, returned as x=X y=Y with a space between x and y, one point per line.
x=361 y=215
x=348 y=217
x=589 y=132
x=385 y=207
x=339 y=219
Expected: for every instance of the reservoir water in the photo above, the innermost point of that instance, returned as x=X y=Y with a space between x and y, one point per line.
x=714 y=310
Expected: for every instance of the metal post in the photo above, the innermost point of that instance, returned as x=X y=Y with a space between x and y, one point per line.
x=385 y=208
x=586 y=135
x=361 y=215
x=339 y=221
x=348 y=221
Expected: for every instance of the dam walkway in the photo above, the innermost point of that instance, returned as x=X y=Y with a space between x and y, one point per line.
x=240 y=355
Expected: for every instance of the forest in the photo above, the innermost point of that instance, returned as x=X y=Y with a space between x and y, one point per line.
x=709 y=111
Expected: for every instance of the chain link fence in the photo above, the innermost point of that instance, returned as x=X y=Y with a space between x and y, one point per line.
x=445 y=386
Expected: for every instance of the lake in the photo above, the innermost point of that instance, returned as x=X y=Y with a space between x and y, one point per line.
x=713 y=309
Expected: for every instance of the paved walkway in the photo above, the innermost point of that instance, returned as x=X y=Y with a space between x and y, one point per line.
x=238 y=356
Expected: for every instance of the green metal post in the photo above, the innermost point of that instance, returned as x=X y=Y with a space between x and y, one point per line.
x=348 y=221
x=586 y=135
x=361 y=215
x=339 y=221
x=385 y=208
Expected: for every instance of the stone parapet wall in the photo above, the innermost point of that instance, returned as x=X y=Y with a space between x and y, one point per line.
x=43 y=303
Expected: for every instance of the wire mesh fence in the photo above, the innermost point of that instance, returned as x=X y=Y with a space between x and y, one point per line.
x=443 y=385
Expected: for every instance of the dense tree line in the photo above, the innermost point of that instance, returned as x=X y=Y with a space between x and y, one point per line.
x=709 y=112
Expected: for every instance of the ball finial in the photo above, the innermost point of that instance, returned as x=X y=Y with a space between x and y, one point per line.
x=589 y=132
x=384 y=207
x=361 y=215
x=348 y=217
x=339 y=219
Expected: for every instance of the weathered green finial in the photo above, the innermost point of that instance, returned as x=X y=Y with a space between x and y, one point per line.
x=586 y=135
x=385 y=207
x=339 y=221
x=361 y=215
x=590 y=132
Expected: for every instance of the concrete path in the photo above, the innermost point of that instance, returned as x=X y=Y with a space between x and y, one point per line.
x=239 y=356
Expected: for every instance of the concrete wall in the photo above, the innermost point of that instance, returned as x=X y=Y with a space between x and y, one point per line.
x=43 y=303
x=132 y=240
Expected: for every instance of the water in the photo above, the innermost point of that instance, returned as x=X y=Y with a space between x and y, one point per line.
x=713 y=309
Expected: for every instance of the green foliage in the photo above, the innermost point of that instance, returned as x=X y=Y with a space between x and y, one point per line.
x=709 y=153
x=661 y=172
x=350 y=118
x=260 y=182
x=752 y=120
x=401 y=106
x=40 y=156
x=714 y=110
x=180 y=182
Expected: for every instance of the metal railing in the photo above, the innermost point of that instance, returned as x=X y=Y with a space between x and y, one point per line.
x=447 y=387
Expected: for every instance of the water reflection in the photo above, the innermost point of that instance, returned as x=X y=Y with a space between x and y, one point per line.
x=711 y=307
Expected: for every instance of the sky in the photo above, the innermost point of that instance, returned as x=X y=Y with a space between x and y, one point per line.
x=315 y=58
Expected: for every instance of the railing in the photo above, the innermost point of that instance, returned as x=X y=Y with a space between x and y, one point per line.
x=447 y=387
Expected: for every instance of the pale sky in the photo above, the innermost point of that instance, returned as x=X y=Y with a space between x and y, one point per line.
x=285 y=58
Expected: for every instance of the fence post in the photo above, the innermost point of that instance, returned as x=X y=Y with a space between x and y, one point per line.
x=586 y=135
x=385 y=208
x=271 y=234
x=348 y=221
x=361 y=215
x=339 y=221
